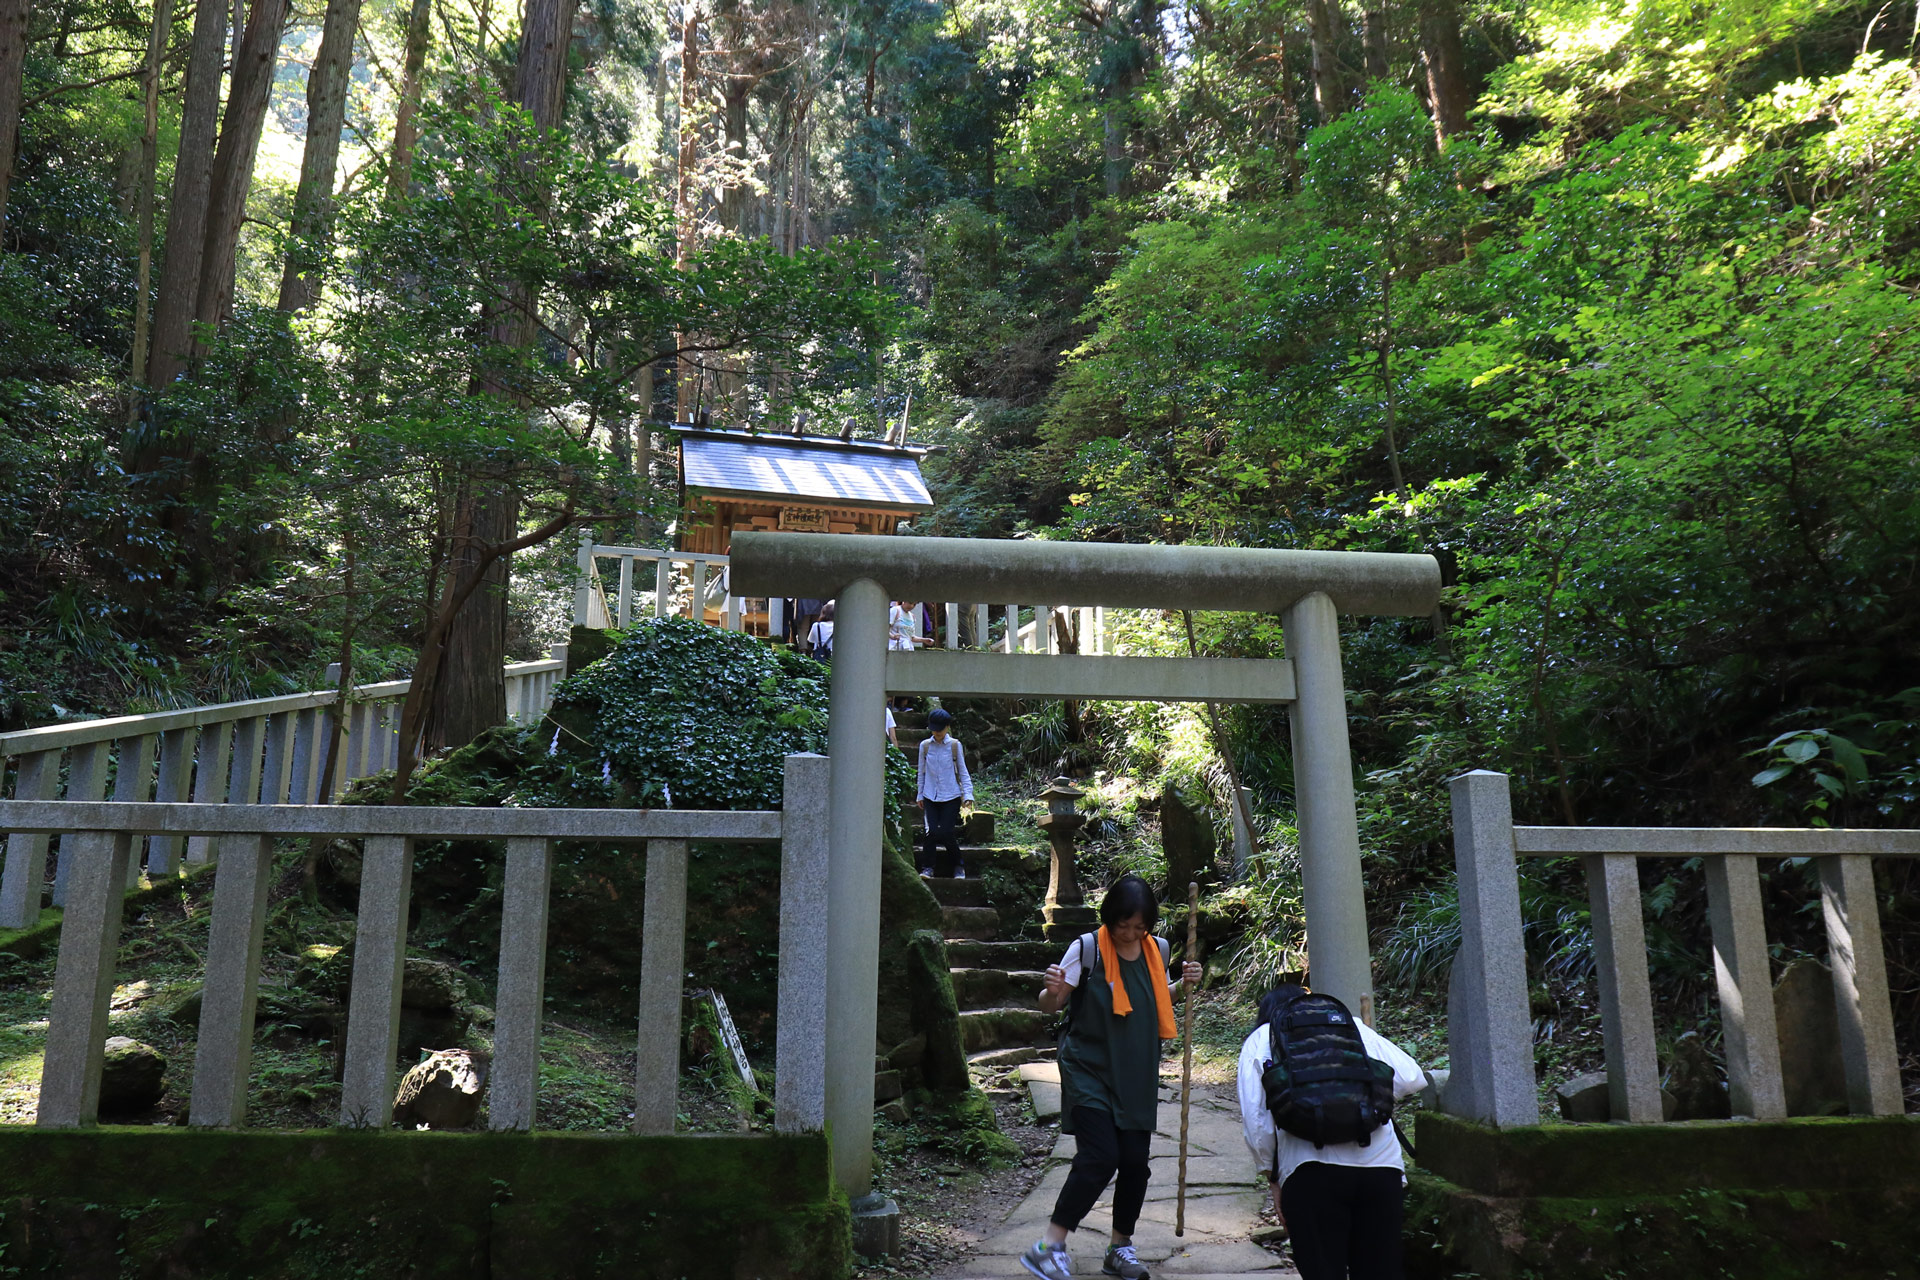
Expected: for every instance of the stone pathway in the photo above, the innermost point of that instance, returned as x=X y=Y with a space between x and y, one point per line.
x=1224 y=1197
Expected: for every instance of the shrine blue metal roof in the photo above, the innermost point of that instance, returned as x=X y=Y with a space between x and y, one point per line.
x=852 y=473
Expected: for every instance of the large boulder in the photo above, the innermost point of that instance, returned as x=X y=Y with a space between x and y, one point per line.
x=441 y=1091
x=133 y=1077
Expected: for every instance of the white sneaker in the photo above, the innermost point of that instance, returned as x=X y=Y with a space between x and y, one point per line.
x=1049 y=1262
x=959 y=873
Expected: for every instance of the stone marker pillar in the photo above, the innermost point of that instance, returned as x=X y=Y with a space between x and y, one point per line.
x=1489 y=1030
x=1626 y=996
x=1338 y=959
x=856 y=810
x=1744 y=977
x=1861 y=996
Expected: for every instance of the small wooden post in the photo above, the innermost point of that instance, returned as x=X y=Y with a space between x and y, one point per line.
x=1186 y=1061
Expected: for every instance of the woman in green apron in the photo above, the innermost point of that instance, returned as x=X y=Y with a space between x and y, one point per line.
x=1109 y=1071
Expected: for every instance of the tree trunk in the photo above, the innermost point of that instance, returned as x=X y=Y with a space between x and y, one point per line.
x=1289 y=105
x=13 y=66
x=733 y=195
x=406 y=132
x=149 y=172
x=232 y=175
x=1373 y=39
x=686 y=217
x=313 y=200
x=1329 y=90
x=1446 y=61
x=467 y=685
x=1113 y=136
x=187 y=207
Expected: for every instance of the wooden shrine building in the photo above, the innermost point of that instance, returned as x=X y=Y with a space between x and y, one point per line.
x=767 y=481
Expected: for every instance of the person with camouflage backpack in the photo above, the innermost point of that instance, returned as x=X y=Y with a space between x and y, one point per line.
x=1317 y=1089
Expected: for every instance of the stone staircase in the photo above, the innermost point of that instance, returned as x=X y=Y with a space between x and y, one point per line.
x=997 y=983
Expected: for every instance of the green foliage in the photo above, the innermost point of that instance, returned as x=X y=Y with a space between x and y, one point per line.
x=681 y=715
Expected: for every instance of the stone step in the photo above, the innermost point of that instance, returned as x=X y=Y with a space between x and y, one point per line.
x=1000 y=1059
x=1004 y=1028
x=1011 y=956
x=958 y=893
x=996 y=989
x=977 y=924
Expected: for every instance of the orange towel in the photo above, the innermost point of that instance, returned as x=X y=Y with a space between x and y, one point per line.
x=1162 y=999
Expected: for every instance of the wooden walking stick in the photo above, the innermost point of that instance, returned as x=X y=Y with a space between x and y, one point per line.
x=1186 y=1065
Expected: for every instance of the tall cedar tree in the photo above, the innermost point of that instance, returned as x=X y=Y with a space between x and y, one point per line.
x=326 y=112
x=233 y=162
x=13 y=65
x=466 y=688
x=187 y=207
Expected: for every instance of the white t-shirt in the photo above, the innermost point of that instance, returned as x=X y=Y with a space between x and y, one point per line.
x=819 y=634
x=902 y=622
x=1070 y=963
x=1382 y=1149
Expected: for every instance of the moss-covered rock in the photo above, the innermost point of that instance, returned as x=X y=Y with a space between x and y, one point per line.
x=303 y=1206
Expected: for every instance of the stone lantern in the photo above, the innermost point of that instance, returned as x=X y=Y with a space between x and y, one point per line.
x=1066 y=912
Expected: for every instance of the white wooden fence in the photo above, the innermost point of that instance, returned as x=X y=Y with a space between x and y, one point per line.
x=669 y=583
x=1491 y=1047
x=103 y=835
x=265 y=751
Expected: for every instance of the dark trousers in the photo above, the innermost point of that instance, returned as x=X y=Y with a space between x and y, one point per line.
x=1100 y=1152
x=1344 y=1222
x=942 y=835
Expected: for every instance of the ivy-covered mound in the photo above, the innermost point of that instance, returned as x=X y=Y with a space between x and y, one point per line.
x=680 y=715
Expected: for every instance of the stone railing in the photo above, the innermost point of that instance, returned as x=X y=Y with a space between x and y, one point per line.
x=264 y=751
x=1489 y=1028
x=666 y=583
x=103 y=835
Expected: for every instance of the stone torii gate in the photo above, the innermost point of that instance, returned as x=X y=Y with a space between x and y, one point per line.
x=1309 y=589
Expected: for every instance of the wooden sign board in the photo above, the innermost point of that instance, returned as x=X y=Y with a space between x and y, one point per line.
x=803 y=519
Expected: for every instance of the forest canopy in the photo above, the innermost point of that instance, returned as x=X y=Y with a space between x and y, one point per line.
x=327 y=329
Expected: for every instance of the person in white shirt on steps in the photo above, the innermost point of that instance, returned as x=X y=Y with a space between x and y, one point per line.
x=944 y=786
x=1341 y=1203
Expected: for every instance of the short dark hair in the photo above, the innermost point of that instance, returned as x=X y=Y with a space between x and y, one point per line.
x=1275 y=1002
x=939 y=718
x=1127 y=897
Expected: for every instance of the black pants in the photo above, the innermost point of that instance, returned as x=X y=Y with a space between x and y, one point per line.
x=1344 y=1222
x=943 y=835
x=1101 y=1151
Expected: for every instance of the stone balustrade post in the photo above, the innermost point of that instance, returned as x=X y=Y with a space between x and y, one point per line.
x=223 y=1053
x=1744 y=977
x=1861 y=996
x=663 y=964
x=800 y=1063
x=379 y=967
x=519 y=1006
x=83 y=979
x=1489 y=1030
x=86 y=780
x=132 y=775
x=1626 y=997
x=210 y=781
x=37 y=778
